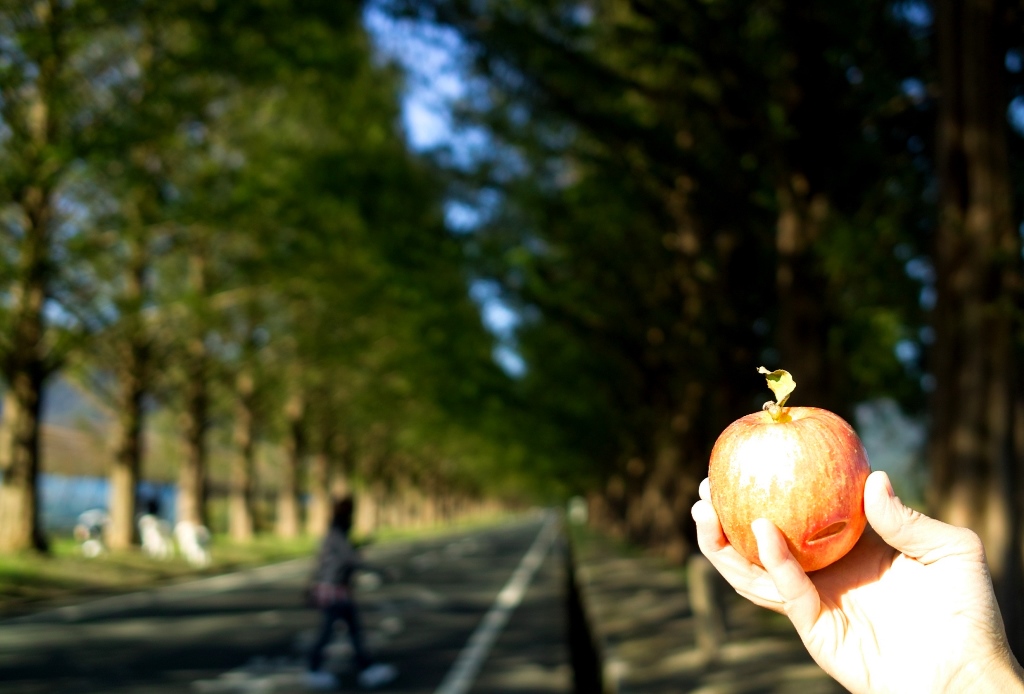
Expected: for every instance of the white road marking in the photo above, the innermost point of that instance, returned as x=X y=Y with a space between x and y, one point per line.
x=467 y=666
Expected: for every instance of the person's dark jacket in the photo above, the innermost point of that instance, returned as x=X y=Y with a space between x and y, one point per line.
x=337 y=561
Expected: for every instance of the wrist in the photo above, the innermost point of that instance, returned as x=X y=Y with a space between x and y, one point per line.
x=1000 y=675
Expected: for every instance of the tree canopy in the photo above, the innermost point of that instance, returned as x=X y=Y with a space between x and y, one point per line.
x=687 y=191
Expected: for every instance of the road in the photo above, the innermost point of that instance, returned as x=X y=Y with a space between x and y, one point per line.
x=441 y=622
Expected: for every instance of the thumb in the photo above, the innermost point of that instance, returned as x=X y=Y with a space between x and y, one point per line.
x=911 y=532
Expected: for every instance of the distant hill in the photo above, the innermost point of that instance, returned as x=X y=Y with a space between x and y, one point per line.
x=65 y=404
x=70 y=450
x=75 y=431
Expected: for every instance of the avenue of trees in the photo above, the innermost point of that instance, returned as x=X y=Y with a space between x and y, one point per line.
x=682 y=191
x=209 y=208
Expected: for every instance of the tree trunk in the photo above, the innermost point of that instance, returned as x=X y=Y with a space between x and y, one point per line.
x=976 y=481
x=133 y=375
x=804 y=159
x=340 y=476
x=801 y=334
x=124 y=478
x=192 y=475
x=192 y=481
x=241 y=519
x=20 y=528
x=26 y=369
x=26 y=362
x=319 y=487
x=288 y=490
x=657 y=511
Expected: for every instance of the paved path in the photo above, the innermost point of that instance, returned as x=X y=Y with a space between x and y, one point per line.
x=247 y=632
x=472 y=613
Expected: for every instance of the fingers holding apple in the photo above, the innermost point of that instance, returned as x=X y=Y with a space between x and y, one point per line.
x=748 y=579
x=798 y=594
x=710 y=537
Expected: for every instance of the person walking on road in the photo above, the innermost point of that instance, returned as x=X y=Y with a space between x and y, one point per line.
x=331 y=592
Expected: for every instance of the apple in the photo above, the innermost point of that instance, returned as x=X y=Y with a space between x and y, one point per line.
x=802 y=468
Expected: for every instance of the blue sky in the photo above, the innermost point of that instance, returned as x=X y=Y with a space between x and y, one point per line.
x=433 y=59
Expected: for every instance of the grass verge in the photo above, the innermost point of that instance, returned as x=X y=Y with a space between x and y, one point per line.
x=31 y=581
x=26 y=580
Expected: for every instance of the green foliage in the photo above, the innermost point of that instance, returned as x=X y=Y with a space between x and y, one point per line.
x=658 y=148
x=235 y=196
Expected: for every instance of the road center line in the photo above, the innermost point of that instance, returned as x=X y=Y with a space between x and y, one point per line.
x=467 y=666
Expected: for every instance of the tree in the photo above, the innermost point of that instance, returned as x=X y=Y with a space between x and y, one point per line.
x=974 y=454
x=133 y=342
x=670 y=215
x=200 y=67
x=53 y=106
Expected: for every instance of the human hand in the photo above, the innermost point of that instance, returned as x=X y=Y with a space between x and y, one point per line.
x=909 y=609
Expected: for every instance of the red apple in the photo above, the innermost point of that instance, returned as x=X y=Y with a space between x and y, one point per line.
x=803 y=468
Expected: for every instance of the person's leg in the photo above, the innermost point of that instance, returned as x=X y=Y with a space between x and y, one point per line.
x=316 y=654
x=350 y=613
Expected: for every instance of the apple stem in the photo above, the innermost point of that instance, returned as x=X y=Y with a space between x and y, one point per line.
x=782 y=384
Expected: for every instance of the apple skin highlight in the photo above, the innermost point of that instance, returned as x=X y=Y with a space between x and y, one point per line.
x=805 y=473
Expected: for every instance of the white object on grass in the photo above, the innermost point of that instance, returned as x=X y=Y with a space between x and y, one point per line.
x=193 y=543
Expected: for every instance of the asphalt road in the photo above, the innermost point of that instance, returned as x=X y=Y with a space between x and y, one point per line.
x=479 y=613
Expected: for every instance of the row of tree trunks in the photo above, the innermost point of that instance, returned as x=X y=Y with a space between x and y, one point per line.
x=328 y=468
x=405 y=506
x=976 y=446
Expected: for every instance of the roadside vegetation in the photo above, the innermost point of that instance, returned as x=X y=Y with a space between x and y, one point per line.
x=30 y=581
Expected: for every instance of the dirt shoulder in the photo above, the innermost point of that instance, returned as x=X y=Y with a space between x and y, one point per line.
x=642 y=620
